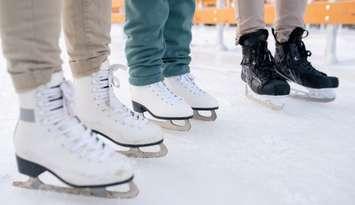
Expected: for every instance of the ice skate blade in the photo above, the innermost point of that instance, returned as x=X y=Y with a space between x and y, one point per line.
x=136 y=152
x=273 y=102
x=324 y=95
x=171 y=125
x=198 y=116
x=37 y=184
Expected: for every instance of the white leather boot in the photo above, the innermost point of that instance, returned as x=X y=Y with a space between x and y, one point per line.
x=99 y=108
x=162 y=104
x=49 y=138
x=199 y=100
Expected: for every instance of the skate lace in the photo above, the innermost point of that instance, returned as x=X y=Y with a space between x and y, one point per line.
x=187 y=81
x=300 y=56
x=104 y=82
x=55 y=113
x=164 y=93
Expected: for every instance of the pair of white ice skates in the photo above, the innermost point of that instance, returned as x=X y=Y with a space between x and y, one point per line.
x=176 y=99
x=61 y=132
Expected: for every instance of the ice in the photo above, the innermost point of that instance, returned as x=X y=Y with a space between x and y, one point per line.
x=302 y=155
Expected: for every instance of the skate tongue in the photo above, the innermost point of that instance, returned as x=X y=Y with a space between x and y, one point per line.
x=57 y=79
x=297 y=34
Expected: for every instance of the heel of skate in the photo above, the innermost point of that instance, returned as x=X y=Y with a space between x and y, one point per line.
x=272 y=102
x=172 y=125
x=165 y=122
x=28 y=168
x=137 y=152
x=138 y=107
x=199 y=116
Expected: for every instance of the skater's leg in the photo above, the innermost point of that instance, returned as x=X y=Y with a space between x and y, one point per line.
x=250 y=17
x=177 y=34
x=145 y=43
x=30 y=31
x=291 y=55
x=145 y=49
x=177 y=58
x=87 y=25
x=289 y=15
x=258 y=68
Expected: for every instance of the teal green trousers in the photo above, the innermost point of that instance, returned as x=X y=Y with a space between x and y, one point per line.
x=158 y=39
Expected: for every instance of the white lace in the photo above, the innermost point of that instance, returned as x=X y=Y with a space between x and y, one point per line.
x=187 y=81
x=54 y=113
x=164 y=93
x=103 y=82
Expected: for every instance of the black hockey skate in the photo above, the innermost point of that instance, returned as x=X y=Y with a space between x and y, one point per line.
x=291 y=58
x=262 y=83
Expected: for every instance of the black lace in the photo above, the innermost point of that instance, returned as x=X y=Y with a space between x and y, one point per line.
x=303 y=53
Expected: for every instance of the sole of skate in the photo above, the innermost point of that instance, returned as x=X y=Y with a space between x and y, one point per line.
x=33 y=170
x=324 y=95
x=165 y=122
x=198 y=116
x=134 y=151
x=272 y=102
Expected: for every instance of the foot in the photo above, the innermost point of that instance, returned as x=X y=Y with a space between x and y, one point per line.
x=292 y=63
x=161 y=103
x=259 y=70
x=199 y=100
x=49 y=138
x=99 y=108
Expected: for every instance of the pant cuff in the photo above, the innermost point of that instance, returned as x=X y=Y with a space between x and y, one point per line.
x=82 y=68
x=30 y=80
x=142 y=81
x=176 y=70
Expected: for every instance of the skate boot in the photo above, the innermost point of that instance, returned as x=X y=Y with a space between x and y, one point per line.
x=262 y=83
x=163 y=105
x=49 y=139
x=99 y=108
x=292 y=63
x=185 y=87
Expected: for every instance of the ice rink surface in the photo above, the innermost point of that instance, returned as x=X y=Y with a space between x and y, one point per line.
x=302 y=155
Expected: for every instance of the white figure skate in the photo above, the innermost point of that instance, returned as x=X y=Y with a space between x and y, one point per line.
x=49 y=139
x=162 y=104
x=99 y=108
x=199 y=100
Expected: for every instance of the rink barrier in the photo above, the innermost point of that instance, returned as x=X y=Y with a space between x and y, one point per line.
x=223 y=12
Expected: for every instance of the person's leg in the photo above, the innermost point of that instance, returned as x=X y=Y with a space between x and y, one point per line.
x=30 y=32
x=177 y=58
x=177 y=34
x=291 y=55
x=250 y=17
x=47 y=136
x=145 y=48
x=87 y=26
x=258 y=68
x=145 y=21
x=289 y=15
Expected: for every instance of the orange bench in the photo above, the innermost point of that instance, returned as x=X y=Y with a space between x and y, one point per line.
x=342 y=12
